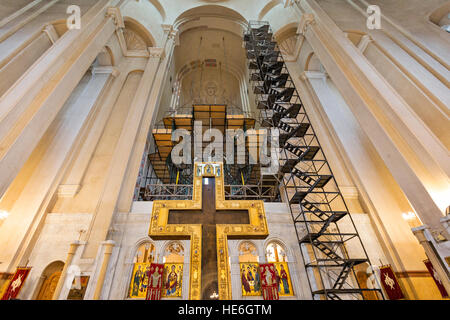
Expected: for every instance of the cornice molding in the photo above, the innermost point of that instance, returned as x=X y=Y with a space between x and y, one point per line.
x=306 y=20
x=116 y=15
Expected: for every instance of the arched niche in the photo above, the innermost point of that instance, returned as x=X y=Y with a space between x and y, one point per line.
x=48 y=280
x=441 y=16
x=249 y=269
x=106 y=57
x=211 y=11
x=248 y=252
x=136 y=36
x=146 y=253
x=286 y=38
x=173 y=260
x=143 y=257
x=209 y=57
x=276 y=253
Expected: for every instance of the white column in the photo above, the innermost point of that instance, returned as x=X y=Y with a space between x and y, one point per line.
x=383 y=198
x=425 y=238
x=414 y=157
x=72 y=183
x=29 y=209
x=142 y=110
x=31 y=104
x=236 y=287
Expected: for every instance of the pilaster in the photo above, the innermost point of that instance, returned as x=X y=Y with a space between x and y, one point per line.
x=29 y=107
x=139 y=109
x=18 y=232
x=428 y=242
x=62 y=280
x=414 y=158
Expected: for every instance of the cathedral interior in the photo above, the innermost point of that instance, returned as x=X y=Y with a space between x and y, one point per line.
x=224 y=149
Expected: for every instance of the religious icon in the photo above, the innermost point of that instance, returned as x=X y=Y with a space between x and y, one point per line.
x=145 y=280
x=144 y=257
x=269 y=285
x=139 y=280
x=250 y=279
x=283 y=279
x=211 y=89
x=16 y=283
x=155 y=275
x=276 y=254
x=173 y=274
x=218 y=172
x=236 y=227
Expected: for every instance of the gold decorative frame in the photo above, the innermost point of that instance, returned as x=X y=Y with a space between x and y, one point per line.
x=161 y=230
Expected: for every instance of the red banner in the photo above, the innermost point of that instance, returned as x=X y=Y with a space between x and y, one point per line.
x=16 y=283
x=390 y=283
x=154 y=276
x=269 y=284
x=436 y=278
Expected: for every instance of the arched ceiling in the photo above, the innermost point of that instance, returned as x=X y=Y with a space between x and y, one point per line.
x=231 y=15
x=212 y=44
x=248 y=9
x=212 y=33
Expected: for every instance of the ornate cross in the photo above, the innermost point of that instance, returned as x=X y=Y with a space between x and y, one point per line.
x=207 y=222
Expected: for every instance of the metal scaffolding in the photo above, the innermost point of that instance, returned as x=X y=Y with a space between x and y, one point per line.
x=324 y=227
x=163 y=180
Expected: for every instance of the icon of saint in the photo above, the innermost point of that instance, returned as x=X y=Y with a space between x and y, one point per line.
x=244 y=280
x=171 y=282
x=284 y=279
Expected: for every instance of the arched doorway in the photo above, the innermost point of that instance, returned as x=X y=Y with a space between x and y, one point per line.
x=49 y=278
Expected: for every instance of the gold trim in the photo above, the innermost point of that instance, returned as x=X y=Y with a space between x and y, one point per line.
x=412 y=274
x=160 y=229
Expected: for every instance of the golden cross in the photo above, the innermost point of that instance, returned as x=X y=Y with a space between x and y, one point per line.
x=255 y=227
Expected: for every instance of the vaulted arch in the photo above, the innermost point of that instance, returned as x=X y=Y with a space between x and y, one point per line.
x=137 y=37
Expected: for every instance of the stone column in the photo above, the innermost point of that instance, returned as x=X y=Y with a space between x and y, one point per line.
x=29 y=209
x=72 y=249
x=413 y=156
x=108 y=247
x=244 y=96
x=28 y=108
x=426 y=240
x=41 y=7
x=236 y=286
x=186 y=270
x=127 y=192
x=72 y=182
x=142 y=109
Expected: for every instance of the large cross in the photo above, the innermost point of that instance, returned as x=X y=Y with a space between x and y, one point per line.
x=208 y=221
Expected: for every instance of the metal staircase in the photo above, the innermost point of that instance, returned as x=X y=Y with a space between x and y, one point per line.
x=316 y=204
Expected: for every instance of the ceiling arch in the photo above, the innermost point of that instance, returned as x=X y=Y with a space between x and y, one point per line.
x=269 y=6
x=159 y=7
